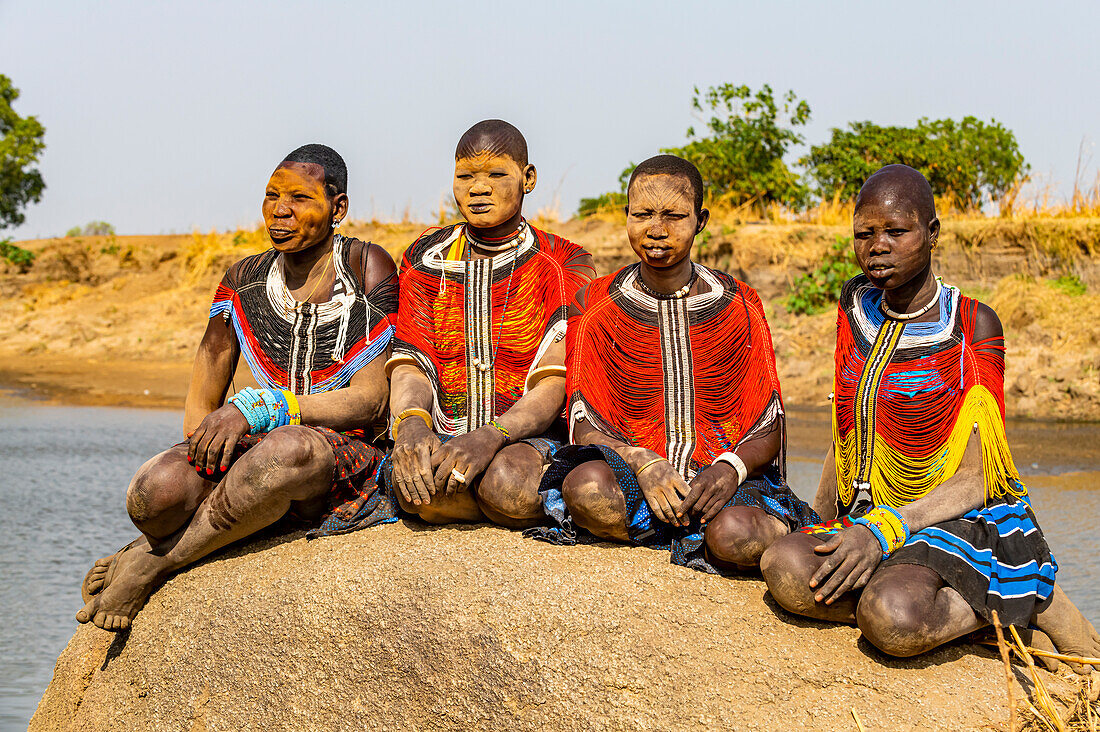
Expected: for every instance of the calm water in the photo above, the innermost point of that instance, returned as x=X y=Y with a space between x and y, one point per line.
x=65 y=471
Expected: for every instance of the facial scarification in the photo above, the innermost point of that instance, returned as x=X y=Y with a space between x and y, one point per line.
x=661 y=219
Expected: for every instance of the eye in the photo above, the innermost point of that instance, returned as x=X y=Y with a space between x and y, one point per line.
x=271 y=194
x=497 y=175
x=676 y=216
x=463 y=176
x=863 y=235
x=897 y=232
x=302 y=197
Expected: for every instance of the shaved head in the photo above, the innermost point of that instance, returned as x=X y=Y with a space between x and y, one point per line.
x=906 y=184
x=674 y=166
x=494 y=136
x=336 y=172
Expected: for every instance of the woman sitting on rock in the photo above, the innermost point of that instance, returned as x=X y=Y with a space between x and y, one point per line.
x=313 y=318
x=929 y=528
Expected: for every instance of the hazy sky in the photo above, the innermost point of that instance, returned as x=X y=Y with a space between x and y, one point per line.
x=166 y=117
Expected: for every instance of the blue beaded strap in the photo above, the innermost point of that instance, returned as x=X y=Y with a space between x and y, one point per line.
x=265 y=409
x=882 y=542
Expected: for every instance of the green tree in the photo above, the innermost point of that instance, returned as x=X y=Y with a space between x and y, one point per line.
x=969 y=161
x=747 y=136
x=20 y=146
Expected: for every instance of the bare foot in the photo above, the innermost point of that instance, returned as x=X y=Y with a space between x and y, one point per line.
x=1069 y=630
x=136 y=576
x=103 y=571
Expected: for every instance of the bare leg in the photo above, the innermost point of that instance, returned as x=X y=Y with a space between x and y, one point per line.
x=595 y=501
x=162 y=497
x=460 y=507
x=907 y=609
x=738 y=535
x=508 y=492
x=1069 y=630
x=291 y=464
x=788 y=565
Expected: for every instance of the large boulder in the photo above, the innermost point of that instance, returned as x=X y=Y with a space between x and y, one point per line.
x=408 y=627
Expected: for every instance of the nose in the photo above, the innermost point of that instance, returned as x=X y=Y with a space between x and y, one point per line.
x=481 y=187
x=657 y=230
x=282 y=210
x=880 y=243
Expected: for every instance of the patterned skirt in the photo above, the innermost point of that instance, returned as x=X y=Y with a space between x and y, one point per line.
x=995 y=557
x=354 y=501
x=768 y=493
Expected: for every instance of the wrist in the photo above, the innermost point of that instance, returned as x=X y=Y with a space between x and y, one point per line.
x=501 y=432
x=409 y=430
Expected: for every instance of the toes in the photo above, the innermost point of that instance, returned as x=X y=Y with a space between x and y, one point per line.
x=86 y=613
x=124 y=623
x=100 y=620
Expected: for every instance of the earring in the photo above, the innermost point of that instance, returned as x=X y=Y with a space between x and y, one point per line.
x=336 y=223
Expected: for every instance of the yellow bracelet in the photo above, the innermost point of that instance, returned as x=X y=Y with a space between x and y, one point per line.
x=411 y=412
x=294 y=411
x=638 y=472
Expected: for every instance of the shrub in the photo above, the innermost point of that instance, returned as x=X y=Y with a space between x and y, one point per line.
x=967 y=162
x=16 y=256
x=820 y=287
x=606 y=203
x=93 y=228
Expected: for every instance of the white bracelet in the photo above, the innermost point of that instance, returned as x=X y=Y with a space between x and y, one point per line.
x=731 y=459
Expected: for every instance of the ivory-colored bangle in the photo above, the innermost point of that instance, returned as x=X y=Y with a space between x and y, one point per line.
x=411 y=412
x=638 y=472
x=735 y=462
x=541 y=373
x=398 y=360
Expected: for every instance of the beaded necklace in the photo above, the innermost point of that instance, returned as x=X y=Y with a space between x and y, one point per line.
x=478 y=363
x=916 y=313
x=682 y=292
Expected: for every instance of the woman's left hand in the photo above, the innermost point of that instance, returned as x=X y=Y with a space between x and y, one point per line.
x=854 y=554
x=469 y=454
x=210 y=447
x=711 y=489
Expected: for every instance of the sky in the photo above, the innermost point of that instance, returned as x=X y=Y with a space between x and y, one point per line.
x=169 y=117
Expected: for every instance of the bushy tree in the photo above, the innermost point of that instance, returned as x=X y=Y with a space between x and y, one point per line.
x=969 y=161
x=747 y=136
x=93 y=228
x=21 y=143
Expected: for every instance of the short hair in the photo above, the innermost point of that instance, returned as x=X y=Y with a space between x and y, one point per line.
x=910 y=182
x=671 y=165
x=494 y=136
x=336 y=172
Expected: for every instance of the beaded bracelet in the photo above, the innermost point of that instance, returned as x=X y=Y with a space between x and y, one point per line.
x=888 y=526
x=500 y=428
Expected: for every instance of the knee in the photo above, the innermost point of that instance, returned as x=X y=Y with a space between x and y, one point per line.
x=156 y=489
x=894 y=621
x=787 y=570
x=740 y=534
x=509 y=486
x=595 y=500
x=290 y=447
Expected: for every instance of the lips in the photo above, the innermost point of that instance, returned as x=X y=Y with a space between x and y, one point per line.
x=480 y=207
x=280 y=235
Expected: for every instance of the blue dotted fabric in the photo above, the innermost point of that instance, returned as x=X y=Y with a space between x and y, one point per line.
x=685 y=544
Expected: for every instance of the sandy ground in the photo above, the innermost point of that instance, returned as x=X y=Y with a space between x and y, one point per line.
x=115 y=320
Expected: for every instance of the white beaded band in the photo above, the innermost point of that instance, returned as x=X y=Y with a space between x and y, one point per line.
x=731 y=459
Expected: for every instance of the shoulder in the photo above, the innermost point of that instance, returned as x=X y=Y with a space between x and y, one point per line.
x=852 y=287
x=985 y=323
x=249 y=269
x=428 y=239
x=371 y=263
x=558 y=247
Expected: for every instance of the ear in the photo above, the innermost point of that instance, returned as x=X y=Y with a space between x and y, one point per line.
x=530 y=178
x=704 y=217
x=339 y=207
x=934 y=232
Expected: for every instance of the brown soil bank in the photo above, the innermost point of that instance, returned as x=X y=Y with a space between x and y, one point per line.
x=407 y=627
x=105 y=319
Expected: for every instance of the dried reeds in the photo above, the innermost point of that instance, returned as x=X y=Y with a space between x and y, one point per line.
x=1041 y=711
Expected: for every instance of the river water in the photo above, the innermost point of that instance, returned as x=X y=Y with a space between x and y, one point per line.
x=65 y=470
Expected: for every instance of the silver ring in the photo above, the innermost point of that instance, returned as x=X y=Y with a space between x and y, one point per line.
x=460 y=477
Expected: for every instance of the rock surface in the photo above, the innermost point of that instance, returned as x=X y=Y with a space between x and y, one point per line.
x=410 y=627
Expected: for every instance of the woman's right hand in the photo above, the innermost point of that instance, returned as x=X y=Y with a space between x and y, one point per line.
x=413 y=446
x=664 y=489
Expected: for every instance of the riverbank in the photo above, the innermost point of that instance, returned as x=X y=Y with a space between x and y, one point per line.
x=115 y=320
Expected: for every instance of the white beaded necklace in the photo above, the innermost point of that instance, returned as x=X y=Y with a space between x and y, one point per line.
x=916 y=313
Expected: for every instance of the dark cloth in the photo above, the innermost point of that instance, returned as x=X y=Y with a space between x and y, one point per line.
x=768 y=493
x=995 y=557
x=354 y=501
